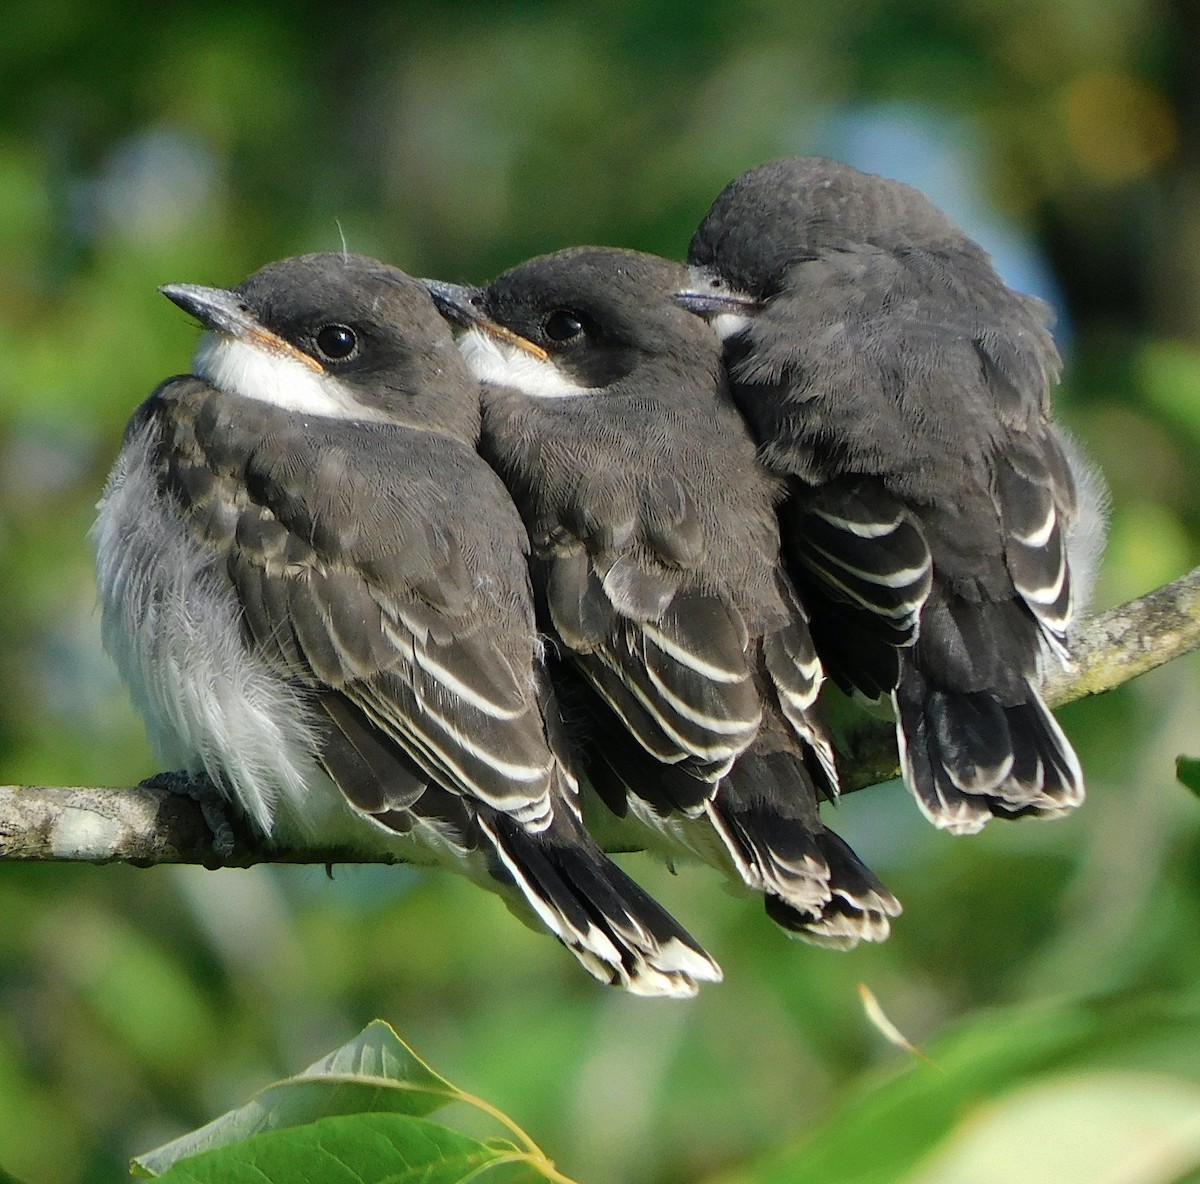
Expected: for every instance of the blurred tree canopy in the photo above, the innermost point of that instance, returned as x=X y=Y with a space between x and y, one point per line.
x=1054 y=967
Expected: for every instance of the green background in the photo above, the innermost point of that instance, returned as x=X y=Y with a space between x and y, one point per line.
x=1049 y=969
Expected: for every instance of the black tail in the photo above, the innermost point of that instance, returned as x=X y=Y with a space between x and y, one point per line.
x=969 y=756
x=761 y=824
x=859 y=908
x=765 y=812
x=813 y=884
x=619 y=933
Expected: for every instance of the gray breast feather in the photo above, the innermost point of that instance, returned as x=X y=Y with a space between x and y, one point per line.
x=1086 y=532
x=171 y=622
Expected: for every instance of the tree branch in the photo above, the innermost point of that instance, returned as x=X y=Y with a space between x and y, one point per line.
x=145 y=826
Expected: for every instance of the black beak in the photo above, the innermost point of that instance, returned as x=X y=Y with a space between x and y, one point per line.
x=708 y=296
x=710 y=304
x=462 y=305
x=214 y=308
x=222 y=311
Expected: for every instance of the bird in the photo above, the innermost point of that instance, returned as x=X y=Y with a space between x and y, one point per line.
x=682 y=648
x=317 y=592
x=940 y=527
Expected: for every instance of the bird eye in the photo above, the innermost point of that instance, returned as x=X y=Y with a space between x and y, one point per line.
x=336 y=342
x=561 y=325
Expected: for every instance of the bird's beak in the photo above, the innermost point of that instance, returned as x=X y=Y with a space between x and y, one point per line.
x=711 y=304
x=709 y=296
x=461 y=305
x=222 y=311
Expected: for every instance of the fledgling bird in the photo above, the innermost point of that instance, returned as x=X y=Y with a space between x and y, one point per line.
x=903 y=392
x=656 y=564
x=317 y=592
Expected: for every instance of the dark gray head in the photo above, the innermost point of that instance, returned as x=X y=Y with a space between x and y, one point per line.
x=791 y=210
x=596 y=313
x=338 y=335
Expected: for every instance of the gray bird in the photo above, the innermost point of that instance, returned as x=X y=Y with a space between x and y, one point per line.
x=317 y=593
x=656 y=563
x=903 y=393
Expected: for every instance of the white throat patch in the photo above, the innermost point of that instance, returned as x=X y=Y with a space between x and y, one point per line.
x=504 y=364
x=255 y=372
x=728 y=324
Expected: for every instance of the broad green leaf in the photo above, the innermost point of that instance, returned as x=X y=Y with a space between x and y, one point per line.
x=885 y=1132
x=358 y=1149
x=1187 y=769
x=375 y=1072
x=5 y=1178
x=1106 y=1128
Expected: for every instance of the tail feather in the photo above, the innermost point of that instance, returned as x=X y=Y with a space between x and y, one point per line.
x=859 y=908
x=968 y=757
x=619 y=933
x=765 y=813
x=773 y=855
x=1046 y=765
x=814 y=886
x=760 y=823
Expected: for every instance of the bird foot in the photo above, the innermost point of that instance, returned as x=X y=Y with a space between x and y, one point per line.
x=214 y=805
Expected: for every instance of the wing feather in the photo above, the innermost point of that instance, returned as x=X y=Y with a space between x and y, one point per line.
x=423 y=624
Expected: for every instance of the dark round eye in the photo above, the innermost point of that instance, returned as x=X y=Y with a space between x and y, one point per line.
x=336 y=342
x=561 y=325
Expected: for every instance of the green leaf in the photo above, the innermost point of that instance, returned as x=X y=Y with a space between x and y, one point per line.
x=376 y=1072
x=358 y=1149
x=888 y=1132
x=1123 y=1126
x=1187 y=769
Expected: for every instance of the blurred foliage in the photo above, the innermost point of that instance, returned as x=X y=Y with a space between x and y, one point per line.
x=195 y=143
x=1187 y=769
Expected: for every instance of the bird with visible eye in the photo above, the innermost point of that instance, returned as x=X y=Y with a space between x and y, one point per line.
x=336 y=343
x=317 y=592
x=562 y=325
x=656 y=567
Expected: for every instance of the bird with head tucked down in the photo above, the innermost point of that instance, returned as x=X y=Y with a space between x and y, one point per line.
x=940 y=528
